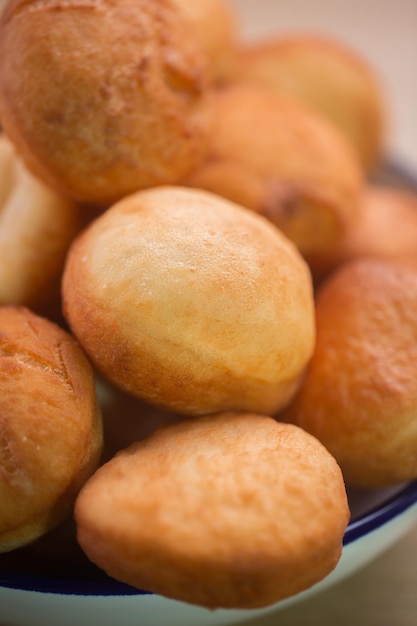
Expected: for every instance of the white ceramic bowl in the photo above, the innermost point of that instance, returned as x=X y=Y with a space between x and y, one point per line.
x=50 y=590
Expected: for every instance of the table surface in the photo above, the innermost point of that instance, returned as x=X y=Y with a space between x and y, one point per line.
x=381 y=594
x=384 y=32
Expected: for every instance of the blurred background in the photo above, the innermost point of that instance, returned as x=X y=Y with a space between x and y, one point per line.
x=384 y=32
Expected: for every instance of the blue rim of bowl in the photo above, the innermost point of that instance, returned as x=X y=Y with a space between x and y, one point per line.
x=392 y=172
x=358 y=528
x=380 y=515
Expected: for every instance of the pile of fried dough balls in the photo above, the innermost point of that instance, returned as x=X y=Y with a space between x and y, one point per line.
x=208 y=319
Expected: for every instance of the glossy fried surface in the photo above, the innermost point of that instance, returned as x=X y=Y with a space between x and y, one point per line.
x=50 y=425
x=359 y=396
x=191 y=302
x=234 y=511
x=102 y=97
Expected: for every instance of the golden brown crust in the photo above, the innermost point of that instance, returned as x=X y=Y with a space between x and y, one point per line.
x=102 y=98
x=191 y=302
x=223 y=511
x=50 y=425
x=279 y=158
x=327 y=75
x=359 y=396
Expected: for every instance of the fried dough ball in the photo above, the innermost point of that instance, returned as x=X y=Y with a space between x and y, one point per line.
x=359 y=397
x=279 y=158
x=231 y=510
x=50 y=425
x=102 y=98
x=330 y=77
x=37 y=226
x=214 y=24
x=191 y=303
x=386 y=225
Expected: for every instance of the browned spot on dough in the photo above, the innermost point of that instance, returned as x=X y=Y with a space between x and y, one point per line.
x=281 y=202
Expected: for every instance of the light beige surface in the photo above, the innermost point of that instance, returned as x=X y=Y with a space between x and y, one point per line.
x=384 y=31
x=381 y=594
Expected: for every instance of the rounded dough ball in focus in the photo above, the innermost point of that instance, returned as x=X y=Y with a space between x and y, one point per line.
x=327 y=75
x=279 y=158
x=102 y=98
x=50 y=425
x=191 y=303
x=359 y=396
x=233 y=511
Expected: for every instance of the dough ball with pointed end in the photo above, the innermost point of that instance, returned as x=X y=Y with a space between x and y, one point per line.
x=102 y=98
x=50 y=425
x=191 y=302
x=359 y=396
x=231 y=510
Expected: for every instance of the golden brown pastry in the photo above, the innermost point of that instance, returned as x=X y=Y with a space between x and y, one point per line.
x=386 y=225
x=279 y=158
x=330 y=77
x=234 y=511
x=37 y=226
x=192 y=303
x=359 y=397
x=111 y=100
x=215 y=26
x=50 y=425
